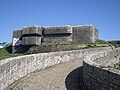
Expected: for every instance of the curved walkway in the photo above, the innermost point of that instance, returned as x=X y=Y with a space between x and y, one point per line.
x=64 y=76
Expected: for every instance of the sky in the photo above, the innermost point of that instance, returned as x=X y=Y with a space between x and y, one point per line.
x=103 y=14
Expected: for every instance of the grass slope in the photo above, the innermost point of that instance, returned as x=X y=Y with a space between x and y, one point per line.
x=5 y=52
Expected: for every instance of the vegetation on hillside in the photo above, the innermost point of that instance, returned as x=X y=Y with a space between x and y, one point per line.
x=6 y=52
x=64 y=43
x=115 y=43
x=101 y=42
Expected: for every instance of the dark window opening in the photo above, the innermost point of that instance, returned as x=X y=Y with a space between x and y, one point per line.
x=30 y=35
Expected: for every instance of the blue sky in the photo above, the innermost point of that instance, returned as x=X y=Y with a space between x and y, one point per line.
x=103 y=14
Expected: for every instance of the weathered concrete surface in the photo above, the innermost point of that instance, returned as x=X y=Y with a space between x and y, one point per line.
x=97 y=74
x=57 y=33
x=60 y=77
x=12 y=69
x=56 y=39
x=35 y=35
x=85 y=34
x=33 y=40
x=33 y=30
x=17 y=33
x=57 y=29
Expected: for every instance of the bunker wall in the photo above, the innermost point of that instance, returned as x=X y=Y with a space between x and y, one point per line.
x=57 y=30
x=33 y=40
x=33 y=30
x=85 y=34
x=17 y=33
x=56 y=39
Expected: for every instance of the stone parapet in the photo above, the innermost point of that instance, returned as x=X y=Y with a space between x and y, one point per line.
x=97 y=73
x=12 y=69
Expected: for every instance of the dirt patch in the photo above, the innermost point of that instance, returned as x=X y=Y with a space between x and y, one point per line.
x=52 y=48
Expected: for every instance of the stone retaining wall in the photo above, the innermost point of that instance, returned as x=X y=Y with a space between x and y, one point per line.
x=12 y=69
x=97 y=75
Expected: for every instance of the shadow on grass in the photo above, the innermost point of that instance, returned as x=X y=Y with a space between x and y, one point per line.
x=9 y=49
x=18 y=49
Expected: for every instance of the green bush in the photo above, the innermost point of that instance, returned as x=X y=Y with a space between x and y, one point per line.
x=115 y=43
x=101 y=42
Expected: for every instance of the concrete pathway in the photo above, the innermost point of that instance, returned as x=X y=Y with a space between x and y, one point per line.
x=66 y=76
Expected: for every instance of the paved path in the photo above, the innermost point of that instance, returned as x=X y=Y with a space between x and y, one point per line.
x=64 y=76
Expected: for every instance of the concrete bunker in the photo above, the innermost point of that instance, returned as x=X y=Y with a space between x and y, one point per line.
x=36 y=35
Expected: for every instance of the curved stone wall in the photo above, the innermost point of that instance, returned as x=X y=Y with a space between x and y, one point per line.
x=12 y=69
x=97 y=73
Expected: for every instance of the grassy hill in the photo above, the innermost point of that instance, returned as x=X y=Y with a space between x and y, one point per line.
x=115 y=43
x=6 y=51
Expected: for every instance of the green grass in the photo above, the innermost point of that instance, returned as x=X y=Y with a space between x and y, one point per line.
x=64 y=43
x=116 y=43
x=5 y=52
x=101 y=42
